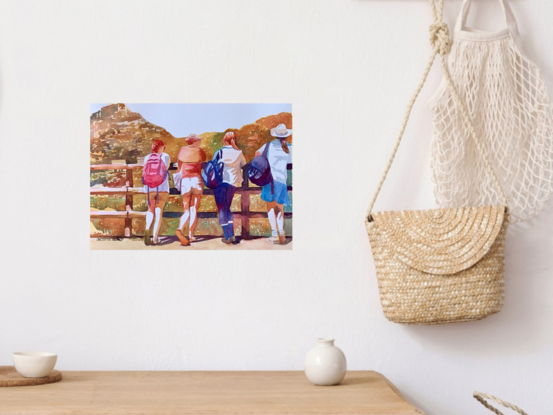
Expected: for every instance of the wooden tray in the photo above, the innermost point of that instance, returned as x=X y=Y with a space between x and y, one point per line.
x=10 y=377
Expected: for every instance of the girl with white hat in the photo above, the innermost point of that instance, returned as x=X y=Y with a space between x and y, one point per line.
x=276 y=195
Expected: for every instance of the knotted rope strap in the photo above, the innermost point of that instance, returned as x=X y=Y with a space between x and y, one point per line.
x=481 y=397
x=441 y=45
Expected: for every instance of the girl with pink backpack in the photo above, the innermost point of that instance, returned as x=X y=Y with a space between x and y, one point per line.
x=155 y=177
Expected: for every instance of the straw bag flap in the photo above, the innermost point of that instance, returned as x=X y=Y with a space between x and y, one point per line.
x=439 y=241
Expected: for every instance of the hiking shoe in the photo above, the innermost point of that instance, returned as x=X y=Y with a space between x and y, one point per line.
x=183 y=240
x=226 y=241
x=282 y=239
x=274 y=239
x=147 y=238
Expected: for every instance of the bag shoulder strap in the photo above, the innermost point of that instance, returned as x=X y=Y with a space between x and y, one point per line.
x=481 y=397
x=266 y=150
x=441 y=45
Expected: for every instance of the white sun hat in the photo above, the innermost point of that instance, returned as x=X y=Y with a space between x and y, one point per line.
x=281 y=131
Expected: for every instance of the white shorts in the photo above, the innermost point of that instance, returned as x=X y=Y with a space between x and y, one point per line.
x=194 y=185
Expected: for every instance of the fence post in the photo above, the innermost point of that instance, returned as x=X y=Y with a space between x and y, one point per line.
x=128 y=203
x=245 y=205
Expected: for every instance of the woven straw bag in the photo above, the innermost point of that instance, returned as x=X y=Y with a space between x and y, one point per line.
x=482 y=397
x=443 y=265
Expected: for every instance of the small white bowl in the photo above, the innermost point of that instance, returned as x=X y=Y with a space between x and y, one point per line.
x=34 y=364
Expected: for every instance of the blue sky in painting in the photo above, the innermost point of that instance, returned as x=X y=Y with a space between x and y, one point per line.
x=184 y=119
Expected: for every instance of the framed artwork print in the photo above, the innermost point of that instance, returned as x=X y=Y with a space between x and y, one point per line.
x=191 y=176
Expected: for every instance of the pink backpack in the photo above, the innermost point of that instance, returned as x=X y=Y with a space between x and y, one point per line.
x=155 y=172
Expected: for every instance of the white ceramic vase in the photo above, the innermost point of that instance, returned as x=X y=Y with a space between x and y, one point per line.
x=325 y=364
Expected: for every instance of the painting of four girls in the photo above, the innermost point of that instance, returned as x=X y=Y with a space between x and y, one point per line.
x=191 y=184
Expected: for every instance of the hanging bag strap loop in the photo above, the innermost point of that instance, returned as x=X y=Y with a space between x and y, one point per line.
x=510 y=19
x=481 y=397
x=441 y=45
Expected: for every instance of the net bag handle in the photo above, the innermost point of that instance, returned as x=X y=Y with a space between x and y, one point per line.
x=441 y=45
x=510 y=19
x=481 y=397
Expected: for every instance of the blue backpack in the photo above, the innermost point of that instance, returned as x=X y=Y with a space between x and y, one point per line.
x=213 y=171
x=259 y=170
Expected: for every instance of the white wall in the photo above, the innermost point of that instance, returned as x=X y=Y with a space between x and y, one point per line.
x=349 y=67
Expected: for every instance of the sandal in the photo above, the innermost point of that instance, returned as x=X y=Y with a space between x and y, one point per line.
x=183 y=240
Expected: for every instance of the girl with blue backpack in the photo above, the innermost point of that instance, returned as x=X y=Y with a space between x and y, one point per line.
x=275 y=193
x=232 y=160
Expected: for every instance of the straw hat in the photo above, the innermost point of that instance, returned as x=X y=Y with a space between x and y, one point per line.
x=192 y=137
x=280 y=131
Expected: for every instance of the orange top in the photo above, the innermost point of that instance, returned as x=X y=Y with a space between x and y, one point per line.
x=191 y=159
x=191 y=169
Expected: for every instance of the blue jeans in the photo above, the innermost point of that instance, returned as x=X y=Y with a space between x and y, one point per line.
x=223 y=197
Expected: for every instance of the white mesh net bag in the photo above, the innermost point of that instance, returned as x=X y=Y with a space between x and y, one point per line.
x=508 y=103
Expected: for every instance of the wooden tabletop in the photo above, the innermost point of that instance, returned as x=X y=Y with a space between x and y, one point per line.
x=213 y=393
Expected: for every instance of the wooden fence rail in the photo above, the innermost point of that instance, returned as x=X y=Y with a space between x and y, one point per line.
x=129 y=191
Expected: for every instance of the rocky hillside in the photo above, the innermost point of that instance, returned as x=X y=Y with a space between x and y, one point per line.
x=117 y=133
